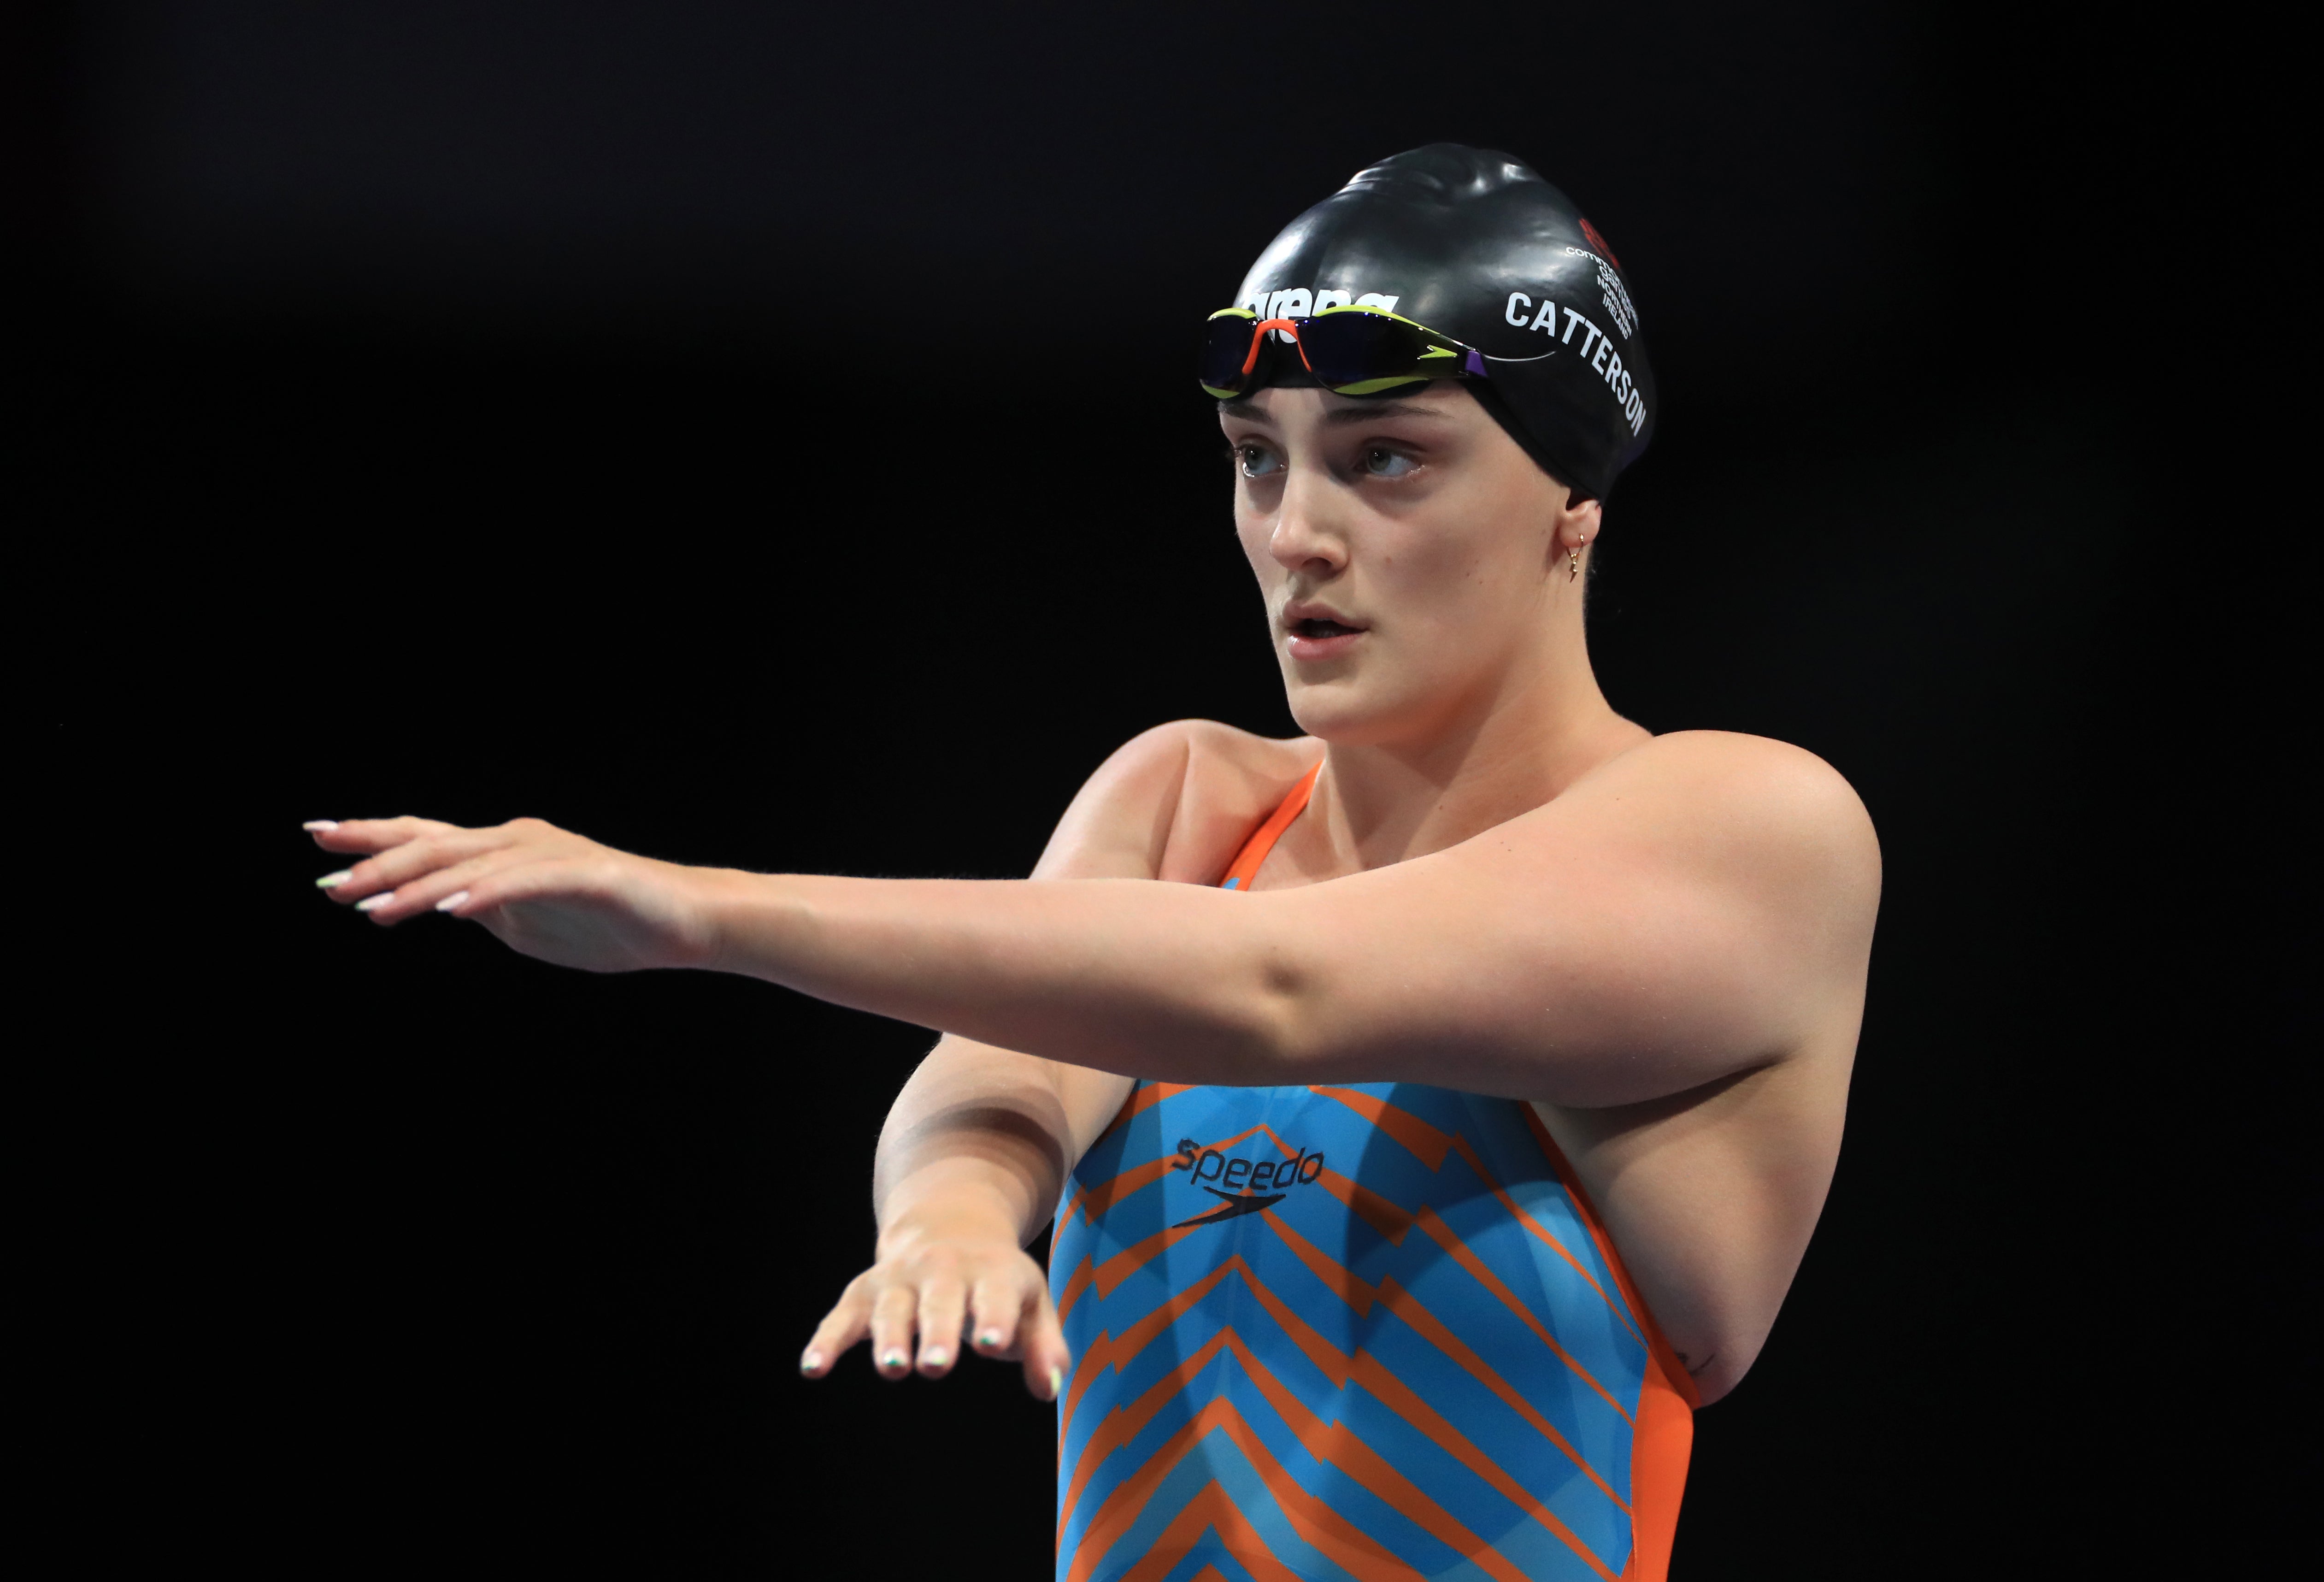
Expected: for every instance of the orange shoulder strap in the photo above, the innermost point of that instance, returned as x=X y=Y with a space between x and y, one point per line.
x=1245 y=867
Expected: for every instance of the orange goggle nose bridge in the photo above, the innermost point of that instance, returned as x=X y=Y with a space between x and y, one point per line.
x=1288 y=327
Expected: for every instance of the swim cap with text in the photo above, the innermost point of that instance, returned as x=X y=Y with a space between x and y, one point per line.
x=1473 y=243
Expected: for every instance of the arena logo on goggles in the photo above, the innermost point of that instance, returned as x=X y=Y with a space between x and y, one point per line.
x=1607 y=363
x=1300 y=302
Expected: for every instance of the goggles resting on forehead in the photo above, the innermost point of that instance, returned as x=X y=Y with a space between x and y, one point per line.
x=1350 y=350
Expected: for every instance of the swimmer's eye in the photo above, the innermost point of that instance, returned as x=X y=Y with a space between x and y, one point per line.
x=1256 y=461
x=1380 y=462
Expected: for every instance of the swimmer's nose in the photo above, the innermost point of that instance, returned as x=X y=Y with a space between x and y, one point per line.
x=1302 y=538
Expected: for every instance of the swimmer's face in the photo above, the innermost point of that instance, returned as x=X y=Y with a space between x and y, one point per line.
x=1413 y=558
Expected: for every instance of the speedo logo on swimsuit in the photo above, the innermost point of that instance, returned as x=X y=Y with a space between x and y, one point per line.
x=1251 y=1184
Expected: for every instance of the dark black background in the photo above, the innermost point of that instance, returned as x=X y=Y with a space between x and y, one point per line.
x=760 y=436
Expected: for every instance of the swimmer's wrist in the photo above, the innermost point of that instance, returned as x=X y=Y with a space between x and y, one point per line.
x=950 y=1201
x=744 y=920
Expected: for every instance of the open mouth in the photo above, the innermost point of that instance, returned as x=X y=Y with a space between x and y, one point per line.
x=1316 y=631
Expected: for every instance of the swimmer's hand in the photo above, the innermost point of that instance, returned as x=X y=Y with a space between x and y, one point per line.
x=950 y=1276
x=541 y=890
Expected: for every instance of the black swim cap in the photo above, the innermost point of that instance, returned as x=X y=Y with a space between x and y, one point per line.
x=1474 y=245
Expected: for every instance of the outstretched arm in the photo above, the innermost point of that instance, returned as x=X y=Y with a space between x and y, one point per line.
x=1669 y=919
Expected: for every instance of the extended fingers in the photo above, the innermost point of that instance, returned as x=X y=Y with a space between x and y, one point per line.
x=371 y=835
x=452 y=888
x=410 y=878
x=1042 y=1341
x=873 y=1309
x=422 y=863
x=943 y=1300
x=848 y=1322
x=892 y=1312
x=1001 y=1306
x=1011 y=1315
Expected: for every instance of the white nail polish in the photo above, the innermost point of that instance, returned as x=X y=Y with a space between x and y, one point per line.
x=810 y=1362
x=452 y=901
x=373 y=903
x=320 y=826
x=333 y=881
x=935 y=1359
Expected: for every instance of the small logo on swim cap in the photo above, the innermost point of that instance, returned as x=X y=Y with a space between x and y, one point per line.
x=1617 y=301
x=1599 y=242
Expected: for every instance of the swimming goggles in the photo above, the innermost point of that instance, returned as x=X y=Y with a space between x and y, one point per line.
x=1351 y=350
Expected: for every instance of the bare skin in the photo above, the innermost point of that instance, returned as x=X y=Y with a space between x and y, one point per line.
x=1499 y=885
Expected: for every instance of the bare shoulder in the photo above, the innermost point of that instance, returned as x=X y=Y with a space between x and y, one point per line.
x=1174 y=801
x=1760 y=810
x=1727 y=775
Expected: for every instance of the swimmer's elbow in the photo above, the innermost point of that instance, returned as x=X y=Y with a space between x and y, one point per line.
x=1287 y=1024
x=1312 y=1000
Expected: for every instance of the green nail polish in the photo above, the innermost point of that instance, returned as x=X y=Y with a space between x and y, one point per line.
x=1056 y=1381
x=333 y=881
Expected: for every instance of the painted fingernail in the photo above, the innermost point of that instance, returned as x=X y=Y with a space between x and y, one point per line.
x=894 y=1359
x=320 y=826
x=333 y=881
x=451 y=902
x=810 y=1362
x=1056 y=1381
x=990 y=1338
x=373 y=903
x=935 y=1358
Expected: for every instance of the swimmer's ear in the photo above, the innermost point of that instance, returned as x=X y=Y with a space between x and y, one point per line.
x=1578 y=523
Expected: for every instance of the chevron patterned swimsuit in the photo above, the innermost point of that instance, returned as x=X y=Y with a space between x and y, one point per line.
x=1361 y=1332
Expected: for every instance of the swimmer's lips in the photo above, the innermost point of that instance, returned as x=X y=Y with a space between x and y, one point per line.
x=1236 y=1207
x=1318 y=631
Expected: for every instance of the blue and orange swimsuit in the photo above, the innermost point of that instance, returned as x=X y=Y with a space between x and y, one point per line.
x=1355 y=1332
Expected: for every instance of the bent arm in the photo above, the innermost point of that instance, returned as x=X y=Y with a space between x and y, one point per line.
x=986 y=1132
x=982 y=1128
x=978 y=1146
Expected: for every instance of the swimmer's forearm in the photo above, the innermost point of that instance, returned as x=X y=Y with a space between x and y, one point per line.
x=976 y=1131
x=1163 y=981
x=970 y=1163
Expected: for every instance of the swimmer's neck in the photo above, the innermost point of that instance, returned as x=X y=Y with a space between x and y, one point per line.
x=1496 y=757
